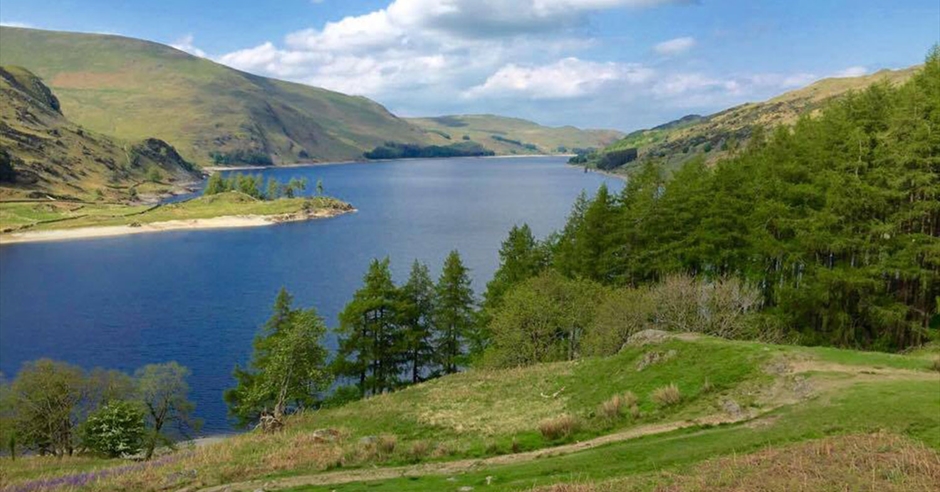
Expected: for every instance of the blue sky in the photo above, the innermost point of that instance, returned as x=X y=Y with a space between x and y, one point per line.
x=623 y=64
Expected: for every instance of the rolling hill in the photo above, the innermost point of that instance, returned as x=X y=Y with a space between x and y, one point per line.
x=749 y=416
x=510 y=136
x=134 y=89
x=713 y=136
x=44 y=154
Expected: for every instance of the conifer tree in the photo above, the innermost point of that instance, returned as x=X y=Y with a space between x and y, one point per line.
x=416 y=310
x=370 y=338
x=453 y=313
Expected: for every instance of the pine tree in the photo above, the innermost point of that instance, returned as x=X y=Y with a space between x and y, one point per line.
x=274 y=189
x=370 y=338
x=520 y=257
x=416 y=310
x=453 y=313
x=214 y=185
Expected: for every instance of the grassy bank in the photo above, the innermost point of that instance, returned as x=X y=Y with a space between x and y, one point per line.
x=46 y=216
x=486 y=427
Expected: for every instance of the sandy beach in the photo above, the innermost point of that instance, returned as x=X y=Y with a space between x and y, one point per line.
x=224 y=222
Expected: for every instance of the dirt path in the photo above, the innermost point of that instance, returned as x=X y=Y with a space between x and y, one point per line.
x=797 y=367
x=454 y=467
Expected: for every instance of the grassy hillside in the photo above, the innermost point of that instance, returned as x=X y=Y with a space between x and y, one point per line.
x=714 y=136
x=511 y=136
x=52 y=156
x=483 y=429
x=135 y=89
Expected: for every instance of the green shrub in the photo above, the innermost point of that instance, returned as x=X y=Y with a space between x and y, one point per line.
x=116 y=429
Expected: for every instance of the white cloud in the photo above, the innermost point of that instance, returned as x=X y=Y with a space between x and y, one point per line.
x=565 y=79
x=15 y=24
x=855 y=71
x=516 y=57
x=185 y=43
x=675 y=46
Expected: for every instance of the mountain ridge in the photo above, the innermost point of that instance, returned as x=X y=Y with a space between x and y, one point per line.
x=44 y=154
x=714 y=135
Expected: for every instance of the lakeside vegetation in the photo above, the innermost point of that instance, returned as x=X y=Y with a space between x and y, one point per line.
x=394 y=150
x=45 y=216
x=54 y=408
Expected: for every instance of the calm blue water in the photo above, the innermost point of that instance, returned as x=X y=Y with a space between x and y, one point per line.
x=199 y=297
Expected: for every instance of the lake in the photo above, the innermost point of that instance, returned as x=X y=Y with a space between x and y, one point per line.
x=199 y=297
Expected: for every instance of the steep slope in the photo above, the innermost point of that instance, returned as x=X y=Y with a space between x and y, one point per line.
x=135 y=89
x=678 y=141
x=49 y=155
x=508 y=136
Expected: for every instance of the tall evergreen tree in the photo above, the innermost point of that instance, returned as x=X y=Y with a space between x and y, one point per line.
x=453 y=313
x=416 y=310
x=370 y=338
x=520 y=257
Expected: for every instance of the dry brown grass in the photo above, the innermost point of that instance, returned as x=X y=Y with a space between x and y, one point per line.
x=875 y=463
x=614 y=407
x=878 y=462
x=666 y=396
x=418 y=450
x=560 y=427
x=387 y=443
x=935 y=364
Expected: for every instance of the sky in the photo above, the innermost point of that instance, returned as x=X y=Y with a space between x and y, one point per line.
x=623 y=64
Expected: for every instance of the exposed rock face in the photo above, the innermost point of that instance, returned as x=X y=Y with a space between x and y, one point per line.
x=30 y=84
x=159 y=151
x=647 y=337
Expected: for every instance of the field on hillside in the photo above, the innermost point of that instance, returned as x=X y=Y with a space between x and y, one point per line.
x=512 y=136
x=497 y=429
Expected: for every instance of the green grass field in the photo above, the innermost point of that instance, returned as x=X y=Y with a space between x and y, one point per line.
x=43 y=216
x=482 y=427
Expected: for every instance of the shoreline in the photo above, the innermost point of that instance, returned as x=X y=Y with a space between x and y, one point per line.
x=214 y=169
x=621 y=177
x=221 y=222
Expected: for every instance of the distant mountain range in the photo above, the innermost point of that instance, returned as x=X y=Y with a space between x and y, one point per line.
x=713 y=136
x=512 y=136
x=133 y=89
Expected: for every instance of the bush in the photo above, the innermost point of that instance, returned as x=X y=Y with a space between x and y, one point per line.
x=419 y=449
x=541 y=319
x=667 y=396
x=560 y=427
x=614 y=407
x=117 y=429
x=387 y=443
x=620 y=313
